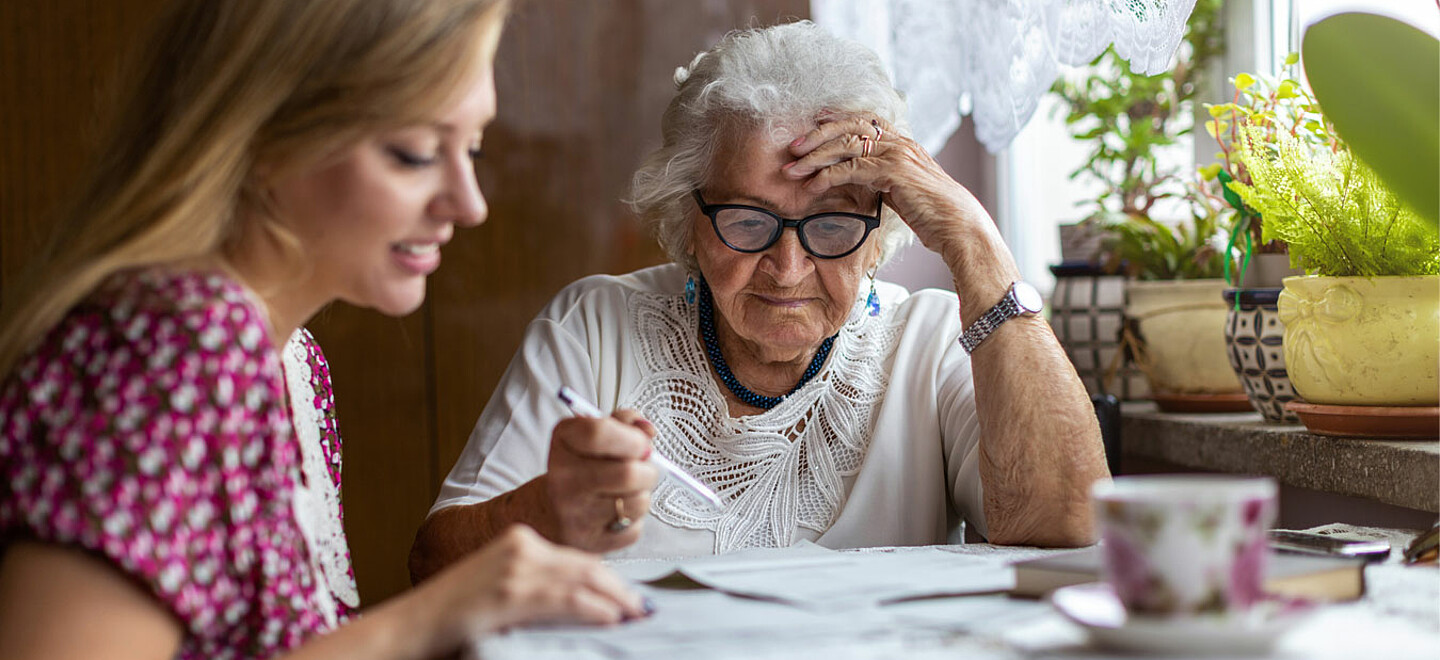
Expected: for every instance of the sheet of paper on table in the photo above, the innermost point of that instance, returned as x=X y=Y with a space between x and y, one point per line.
x=810 y=576
x=805 y=601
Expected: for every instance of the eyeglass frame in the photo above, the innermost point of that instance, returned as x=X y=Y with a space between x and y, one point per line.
x=872 y=222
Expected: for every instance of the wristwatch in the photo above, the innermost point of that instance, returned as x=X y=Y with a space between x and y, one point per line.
x=1021 y=300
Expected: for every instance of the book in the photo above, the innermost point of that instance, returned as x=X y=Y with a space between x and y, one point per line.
x=1291 y=575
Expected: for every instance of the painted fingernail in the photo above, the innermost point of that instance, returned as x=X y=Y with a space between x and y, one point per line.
x=647 y=606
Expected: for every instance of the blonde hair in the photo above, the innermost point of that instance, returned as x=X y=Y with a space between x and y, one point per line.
x=770 y=80
x=224 y=92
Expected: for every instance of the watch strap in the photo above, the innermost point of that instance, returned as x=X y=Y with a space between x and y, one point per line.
x=1003 y=311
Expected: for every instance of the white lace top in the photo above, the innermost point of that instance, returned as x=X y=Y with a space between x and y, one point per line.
x=880 y=448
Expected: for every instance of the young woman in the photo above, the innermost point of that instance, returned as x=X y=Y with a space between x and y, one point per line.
x=168 y=453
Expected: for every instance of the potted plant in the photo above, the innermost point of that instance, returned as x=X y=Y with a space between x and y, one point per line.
x=1269 y=105
x=1126 y=119
x=1254 y=336
x=1174 y=312
x=1361 y=328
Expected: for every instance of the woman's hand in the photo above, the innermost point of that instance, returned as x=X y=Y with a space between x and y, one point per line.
x=599 y=480
x=517 y=579
x=860 y=149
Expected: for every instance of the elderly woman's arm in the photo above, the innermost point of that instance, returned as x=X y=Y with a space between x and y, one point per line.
x=1040 y=447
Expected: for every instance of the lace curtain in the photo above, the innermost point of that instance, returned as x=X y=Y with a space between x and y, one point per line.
x=993 y=59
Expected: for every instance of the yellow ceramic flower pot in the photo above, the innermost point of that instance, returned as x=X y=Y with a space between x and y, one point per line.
x=1182 y=324
x=1363 y=341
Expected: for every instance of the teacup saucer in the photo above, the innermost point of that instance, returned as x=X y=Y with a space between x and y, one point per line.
x=1096 y=608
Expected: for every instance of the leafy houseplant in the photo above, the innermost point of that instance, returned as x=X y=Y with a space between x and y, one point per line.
x=1337 y=215
x=1360 y=330
x=1268 y=107
x=1125 y=117
x=1150 y=250
x=1173 y=329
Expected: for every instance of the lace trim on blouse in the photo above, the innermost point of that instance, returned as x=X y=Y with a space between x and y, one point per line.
x=778 y=470
x=316 y=501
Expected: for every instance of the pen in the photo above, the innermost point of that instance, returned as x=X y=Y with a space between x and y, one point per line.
x=584 y=408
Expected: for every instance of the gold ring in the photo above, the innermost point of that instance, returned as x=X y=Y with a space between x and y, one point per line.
x=879 y=132
x=621 y=522
x=865 y=142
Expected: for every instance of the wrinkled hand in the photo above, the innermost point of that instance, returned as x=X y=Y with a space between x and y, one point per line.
x=943 y=214
x=520 y=578
x=598 y=470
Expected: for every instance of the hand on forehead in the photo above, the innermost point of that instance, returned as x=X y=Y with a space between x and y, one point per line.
x=748 y=168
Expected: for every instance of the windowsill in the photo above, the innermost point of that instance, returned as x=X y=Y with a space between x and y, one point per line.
x=1403 y=473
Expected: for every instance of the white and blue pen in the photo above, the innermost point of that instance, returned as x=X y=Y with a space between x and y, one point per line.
x=584 y=408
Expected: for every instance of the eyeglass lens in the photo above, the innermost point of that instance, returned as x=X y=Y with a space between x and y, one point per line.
x=753 y=230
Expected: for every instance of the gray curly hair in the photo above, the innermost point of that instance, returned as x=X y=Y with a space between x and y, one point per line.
x=772 y=79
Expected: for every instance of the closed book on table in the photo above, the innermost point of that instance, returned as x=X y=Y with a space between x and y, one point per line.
x=1295 y=576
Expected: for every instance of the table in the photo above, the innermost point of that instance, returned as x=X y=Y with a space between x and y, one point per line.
x=1398 y=619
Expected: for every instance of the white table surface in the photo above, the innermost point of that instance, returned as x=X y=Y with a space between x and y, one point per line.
x=1398 y=619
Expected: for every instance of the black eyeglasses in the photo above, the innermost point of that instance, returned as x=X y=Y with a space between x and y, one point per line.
x=825 y=235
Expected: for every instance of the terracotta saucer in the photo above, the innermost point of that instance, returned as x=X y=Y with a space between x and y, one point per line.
x=1369 y=421
x=1202 y=403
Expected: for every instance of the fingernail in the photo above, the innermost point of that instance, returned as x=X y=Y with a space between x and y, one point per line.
x=646 y=457
x=647 y=606
x=797 y=141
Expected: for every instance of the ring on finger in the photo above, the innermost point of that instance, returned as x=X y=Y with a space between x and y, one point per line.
x=865 y=143
x=621 y=522
x=879 y=132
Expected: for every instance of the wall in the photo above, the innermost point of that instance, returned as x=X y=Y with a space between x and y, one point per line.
x=581 y=86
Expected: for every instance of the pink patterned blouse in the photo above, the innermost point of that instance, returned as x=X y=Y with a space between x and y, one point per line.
x=152 y=426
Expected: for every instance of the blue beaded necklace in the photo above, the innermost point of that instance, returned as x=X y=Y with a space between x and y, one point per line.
x=712 y=348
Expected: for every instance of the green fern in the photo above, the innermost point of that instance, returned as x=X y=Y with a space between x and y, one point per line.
x=1339 y=218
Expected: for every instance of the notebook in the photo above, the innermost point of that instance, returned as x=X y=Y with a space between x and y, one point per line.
x=1295 y=576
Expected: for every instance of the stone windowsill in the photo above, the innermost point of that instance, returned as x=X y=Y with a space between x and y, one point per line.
x=1400 y=472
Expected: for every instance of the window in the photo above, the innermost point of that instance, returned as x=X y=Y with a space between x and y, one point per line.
x=1035 y=195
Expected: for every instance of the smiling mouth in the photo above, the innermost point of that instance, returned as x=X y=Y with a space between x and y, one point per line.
x=416 y=249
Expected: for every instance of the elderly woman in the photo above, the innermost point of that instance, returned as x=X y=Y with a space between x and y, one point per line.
x=768 y=362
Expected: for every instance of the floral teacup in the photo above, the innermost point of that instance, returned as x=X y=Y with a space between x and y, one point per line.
x=1177 y=545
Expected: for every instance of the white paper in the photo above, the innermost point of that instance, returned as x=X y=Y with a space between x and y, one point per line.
x=843 y=580
x=701 y=624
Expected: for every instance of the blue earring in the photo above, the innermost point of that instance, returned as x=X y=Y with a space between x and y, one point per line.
x=873 y=302
x=690 y=290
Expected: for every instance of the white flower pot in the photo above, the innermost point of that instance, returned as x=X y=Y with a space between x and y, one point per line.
x=1181 y=327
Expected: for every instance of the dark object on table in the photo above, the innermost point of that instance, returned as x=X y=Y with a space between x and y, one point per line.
x=1107 y=409
x=1425 y=548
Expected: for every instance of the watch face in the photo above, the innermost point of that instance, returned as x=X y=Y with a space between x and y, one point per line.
x=1028 y=298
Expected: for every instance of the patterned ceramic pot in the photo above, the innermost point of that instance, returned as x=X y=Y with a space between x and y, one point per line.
x=1087 y=313
x=1181 y=325
x=1253 y=338
x=1176 y=545
x=1363 y=341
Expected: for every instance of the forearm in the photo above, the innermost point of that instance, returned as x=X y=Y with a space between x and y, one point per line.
x=397 y=628
x=453 y=532
x=1040 y=446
